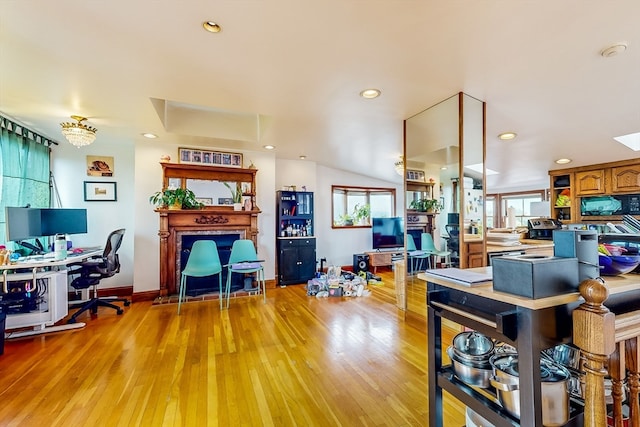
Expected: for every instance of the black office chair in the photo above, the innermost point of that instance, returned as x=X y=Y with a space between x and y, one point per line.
x=453 y=242
x=95 y=269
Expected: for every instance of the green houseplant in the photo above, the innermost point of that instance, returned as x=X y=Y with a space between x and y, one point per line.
x=345 y=219
x=236 y=195
x=361 y=214
x=426 y=205
x=175 y=198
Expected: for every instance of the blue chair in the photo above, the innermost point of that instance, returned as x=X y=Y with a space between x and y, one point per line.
x=203 y=261
x=244 y=252
x=414 y=254
x=426 y=244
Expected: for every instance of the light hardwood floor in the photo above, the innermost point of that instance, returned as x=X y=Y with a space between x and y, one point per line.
x=296 y=361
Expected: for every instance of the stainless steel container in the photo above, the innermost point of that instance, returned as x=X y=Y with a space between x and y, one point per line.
x=474 y=374
x=473 y=346
x=554 y=388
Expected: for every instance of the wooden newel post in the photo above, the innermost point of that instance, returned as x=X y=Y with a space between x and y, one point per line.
x=594 y=333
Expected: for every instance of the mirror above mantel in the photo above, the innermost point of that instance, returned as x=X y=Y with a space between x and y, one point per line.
x=208 y=183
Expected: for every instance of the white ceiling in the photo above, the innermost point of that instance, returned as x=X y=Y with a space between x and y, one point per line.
x=299 y=66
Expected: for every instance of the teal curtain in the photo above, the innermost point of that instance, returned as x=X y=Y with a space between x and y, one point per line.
x=24 y=169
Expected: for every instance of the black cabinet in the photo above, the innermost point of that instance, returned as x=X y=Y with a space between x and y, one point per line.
x=295 y=246
x=296 y=260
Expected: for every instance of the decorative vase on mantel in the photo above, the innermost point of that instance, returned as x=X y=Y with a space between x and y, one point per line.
x=237 y=206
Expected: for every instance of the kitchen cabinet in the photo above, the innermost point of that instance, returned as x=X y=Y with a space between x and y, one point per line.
x=570 y=186
x=590 y=183
x=625 y=179
x=561 y=197
x=296 y=260
x=475 y=254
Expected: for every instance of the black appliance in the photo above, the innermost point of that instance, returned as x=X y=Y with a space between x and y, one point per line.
x=542 y=228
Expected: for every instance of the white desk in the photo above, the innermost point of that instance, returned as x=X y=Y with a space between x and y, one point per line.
x=54 y=305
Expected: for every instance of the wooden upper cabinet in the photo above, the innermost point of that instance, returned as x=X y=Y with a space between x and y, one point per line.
x=625 y=179
x=592 y=182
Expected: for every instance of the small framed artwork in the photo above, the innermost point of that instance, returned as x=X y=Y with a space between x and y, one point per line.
x=209 y=158
x=99 y=166
x=225 y=201
x=100 y=191
x=207 y=201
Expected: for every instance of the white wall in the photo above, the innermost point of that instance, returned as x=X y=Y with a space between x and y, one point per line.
x=339 y=245
x=138 y=174
x=69 y=168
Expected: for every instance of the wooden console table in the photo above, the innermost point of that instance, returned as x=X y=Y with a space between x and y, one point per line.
x=381 y=259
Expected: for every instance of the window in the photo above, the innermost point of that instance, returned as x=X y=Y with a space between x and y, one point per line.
x=24 y=170
x=355 y=206
x=498 y=207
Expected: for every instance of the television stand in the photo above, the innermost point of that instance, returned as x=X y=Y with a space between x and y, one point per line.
x=380 y=258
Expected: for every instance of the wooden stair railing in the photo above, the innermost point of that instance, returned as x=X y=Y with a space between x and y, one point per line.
x=607 y=341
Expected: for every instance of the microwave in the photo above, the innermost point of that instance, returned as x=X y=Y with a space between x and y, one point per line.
x=624 y=204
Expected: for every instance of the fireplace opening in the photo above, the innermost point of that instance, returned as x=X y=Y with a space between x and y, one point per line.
x=208 y=285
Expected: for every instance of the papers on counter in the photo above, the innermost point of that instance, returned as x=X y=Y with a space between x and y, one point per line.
x=463 y=276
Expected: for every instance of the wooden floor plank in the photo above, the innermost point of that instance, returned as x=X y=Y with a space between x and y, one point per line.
x=295 y=361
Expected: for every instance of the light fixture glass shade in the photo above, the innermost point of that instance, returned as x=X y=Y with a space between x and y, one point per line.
x=78 y=134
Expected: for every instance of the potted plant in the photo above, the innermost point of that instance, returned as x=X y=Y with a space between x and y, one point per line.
x=345 y=219
x=236 y=195
x=361 y=214
x=175 y=198
x=426 y=205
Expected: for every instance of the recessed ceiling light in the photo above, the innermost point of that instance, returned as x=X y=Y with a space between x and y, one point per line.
x=631 y=140
x=563 y=161
x=211 y=26
x=444 y=168
x=268 y=147
x=150 y=135
x=507 y=136
x=303 y=157
x=613 y=50
x=370 y=93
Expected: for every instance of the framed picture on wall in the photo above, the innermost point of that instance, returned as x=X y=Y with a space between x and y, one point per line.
x=210 y=158
x=100 y=191
x=99 y=166
x=415 y=175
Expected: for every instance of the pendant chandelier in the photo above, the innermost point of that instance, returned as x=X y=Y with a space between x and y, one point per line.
x=400 y=167
x=78 y=134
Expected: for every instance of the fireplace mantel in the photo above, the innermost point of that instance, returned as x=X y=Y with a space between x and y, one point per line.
x=173 y=223
x=218 y=219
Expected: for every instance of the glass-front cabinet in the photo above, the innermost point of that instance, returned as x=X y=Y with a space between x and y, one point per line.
x=295 y=244
x=295 y=213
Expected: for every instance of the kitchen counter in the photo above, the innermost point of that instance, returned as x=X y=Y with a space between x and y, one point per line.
x=615 y=284
x=525 y=244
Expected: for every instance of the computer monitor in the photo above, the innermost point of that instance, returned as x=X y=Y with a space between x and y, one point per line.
x=63 y=221
x=22 y=223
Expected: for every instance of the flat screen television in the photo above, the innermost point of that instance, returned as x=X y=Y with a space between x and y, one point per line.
x=63 y=221
x=387 y=232
x=22 y=223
